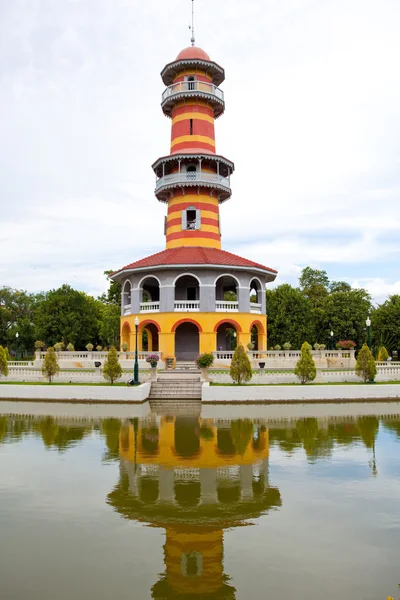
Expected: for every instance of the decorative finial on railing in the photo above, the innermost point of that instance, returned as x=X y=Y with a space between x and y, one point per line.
x=191 y=27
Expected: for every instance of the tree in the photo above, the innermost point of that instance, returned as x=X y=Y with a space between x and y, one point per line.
x=3 y=362
x=240 y=366
x=68 y=315
x=113 y=294
x=386 y=324
x=50 y=365
x=112 y=369
x=17 y=309
x=289 y=316
x=345 y=313
x=110 y=316
x=305 y=368
x=365 y=365
x=383 y=354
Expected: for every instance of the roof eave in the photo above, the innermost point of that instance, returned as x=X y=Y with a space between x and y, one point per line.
x=270 y=272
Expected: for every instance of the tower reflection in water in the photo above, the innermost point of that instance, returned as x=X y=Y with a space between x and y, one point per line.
x=194 y=478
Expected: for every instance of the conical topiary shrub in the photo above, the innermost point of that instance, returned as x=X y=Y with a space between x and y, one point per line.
x=365 y=365
x=305 y=368
x=240 y=366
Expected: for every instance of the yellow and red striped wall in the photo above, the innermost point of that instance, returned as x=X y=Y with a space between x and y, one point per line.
x=209 y=233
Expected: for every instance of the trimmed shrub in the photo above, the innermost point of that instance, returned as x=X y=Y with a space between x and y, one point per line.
x=50 y=365
x=112 y=370
x=3 y=362
x=305 y=368
x=383 y=354
x=205 y=360
x=365 y=365
x=240 y=366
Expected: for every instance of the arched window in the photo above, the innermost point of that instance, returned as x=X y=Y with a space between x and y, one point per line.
x=191 y=218
x=191 y=83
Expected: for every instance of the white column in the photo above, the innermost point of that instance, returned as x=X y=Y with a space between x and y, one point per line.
x=166 y=491
x=208 y=486
x=246 y=482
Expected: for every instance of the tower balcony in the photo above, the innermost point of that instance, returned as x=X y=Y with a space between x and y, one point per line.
x=193 y=89
x=193 y=178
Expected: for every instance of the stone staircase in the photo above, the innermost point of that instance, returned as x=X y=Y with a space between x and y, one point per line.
x=178 y=383
x=174 y=407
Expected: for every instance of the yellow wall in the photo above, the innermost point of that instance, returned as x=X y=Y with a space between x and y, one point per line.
x=207 y=321
x=208 y=456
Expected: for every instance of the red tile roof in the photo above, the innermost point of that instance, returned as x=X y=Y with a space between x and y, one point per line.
x=195 y=255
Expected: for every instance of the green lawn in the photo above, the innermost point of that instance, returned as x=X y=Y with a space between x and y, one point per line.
x=299 y=384
x=59 y=383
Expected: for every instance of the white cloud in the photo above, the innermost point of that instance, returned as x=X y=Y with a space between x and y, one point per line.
x=312 y=123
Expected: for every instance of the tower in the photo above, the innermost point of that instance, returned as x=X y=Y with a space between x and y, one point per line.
x=193 y=297
x=193 y=180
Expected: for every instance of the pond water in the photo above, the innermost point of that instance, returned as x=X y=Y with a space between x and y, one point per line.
x=173 y=505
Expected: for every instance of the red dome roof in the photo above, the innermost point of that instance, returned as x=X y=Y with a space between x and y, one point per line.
x=192 y=53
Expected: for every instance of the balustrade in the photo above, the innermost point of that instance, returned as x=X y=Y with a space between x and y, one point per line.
x=187 y=305
x=193 y=176
x=193 y=87
x=226 y=306
x=149 y=307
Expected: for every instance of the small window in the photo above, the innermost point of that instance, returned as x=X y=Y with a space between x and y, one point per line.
x=191 y=83
x=191 y=172
x=190 y=220
x=191 y=127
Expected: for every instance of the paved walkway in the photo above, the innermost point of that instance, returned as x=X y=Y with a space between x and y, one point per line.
x=75 y=393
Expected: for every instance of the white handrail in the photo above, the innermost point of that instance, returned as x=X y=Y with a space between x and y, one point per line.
x=149 y=306
x=186 y=305
x=226 y=306
x=194 y=87
x=192 y=176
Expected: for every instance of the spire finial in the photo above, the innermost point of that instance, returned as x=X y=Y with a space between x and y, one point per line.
x=191 y=27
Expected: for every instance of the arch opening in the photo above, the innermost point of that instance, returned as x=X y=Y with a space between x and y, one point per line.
x=127 y=298
x=186 y=342
x=187 y=290
x=149 y=293
x=255 y=294
x=125 y=335
x=226 y=337
x=226 y=294
x=150 y=338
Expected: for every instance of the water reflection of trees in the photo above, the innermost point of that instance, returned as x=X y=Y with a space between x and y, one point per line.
x=319 y=438
x=53 y=432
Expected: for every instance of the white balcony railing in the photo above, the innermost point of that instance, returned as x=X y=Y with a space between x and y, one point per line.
x=149 y=307
x=226 y=306
x=190 y=177
x=187 y=305
x=255 y=307
x=193 y=87
x=127 y=309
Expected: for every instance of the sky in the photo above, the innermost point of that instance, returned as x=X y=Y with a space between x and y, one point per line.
x=312 y=123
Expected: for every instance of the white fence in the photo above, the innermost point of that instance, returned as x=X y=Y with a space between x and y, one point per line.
x=287 y=359
x=26 y=374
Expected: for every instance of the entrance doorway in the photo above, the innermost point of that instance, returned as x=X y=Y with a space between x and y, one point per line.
x=186 y=342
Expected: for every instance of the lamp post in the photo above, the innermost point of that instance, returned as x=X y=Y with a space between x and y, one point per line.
x=368 y=324
x=16 y=345
x=136 y=367
x=331 y=334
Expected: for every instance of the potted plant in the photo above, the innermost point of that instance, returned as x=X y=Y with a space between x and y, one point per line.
x=70 y=347
x=59 y=346
x=170 y=360
x=277 y=347
x=124 y=346
x=204 y=362
x=287 y=346
x=89 y=347
x=153 y=360
x=99 y=348
x=250 y=346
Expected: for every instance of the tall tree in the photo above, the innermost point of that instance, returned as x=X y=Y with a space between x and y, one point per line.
x=70 y=316
x=386 y=324
x=345 y=314
x=113 y=294
x=17 y=309
x=290 y=317
x=314 y=284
